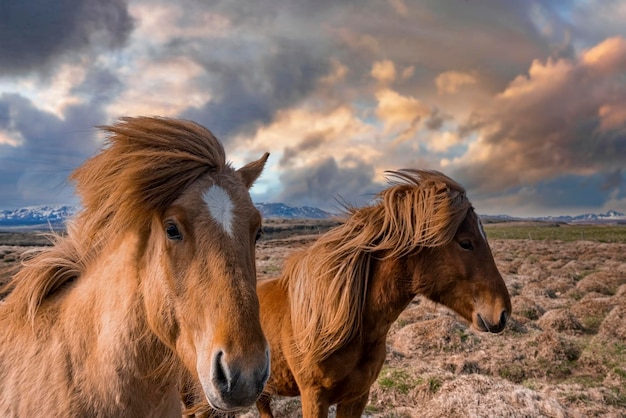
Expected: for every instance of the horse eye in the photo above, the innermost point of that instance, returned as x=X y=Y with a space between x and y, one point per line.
x=172 y=232
x=259 y=234
x=466 y=245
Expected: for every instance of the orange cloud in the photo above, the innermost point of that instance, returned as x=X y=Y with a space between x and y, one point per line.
x=554 y=121
x=397 y=111
x=384 y=71
x=612 y=117
x=450 y=81
x=607 y=56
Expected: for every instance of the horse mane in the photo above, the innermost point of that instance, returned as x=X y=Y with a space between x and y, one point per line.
x=143 y=168
x=327 y=282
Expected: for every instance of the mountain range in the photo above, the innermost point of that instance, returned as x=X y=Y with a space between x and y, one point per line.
x=55 y=216
x=611 y=216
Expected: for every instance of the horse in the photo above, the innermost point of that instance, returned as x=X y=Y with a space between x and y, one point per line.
x=155 y=279
x=328 y=314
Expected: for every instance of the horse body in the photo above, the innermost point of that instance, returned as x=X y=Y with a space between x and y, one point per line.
x=151 y=283
x=361 y=276
x=345 y=376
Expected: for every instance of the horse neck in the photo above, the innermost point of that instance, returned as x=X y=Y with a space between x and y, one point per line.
x=389 y=291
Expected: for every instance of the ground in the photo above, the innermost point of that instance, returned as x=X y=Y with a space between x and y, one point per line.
x=563 y=354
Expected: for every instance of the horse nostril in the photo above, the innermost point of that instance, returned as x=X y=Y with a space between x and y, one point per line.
x=266 y=370
x=221 y=374
x=503 y=319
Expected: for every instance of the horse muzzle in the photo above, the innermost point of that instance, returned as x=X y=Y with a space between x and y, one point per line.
x=235 y=384
x=482 y=323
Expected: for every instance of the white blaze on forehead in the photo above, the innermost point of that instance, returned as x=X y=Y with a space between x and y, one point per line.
x=220 y=207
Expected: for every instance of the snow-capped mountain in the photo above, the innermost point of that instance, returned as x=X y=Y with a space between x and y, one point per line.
x=282 y=210
x=610 y=216
x=31 y=216
x=55 y=216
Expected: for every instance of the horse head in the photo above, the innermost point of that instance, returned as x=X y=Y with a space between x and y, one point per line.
x=206 y=245
x=464 y=277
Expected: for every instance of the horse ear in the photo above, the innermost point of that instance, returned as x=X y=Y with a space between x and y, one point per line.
x=251 y=171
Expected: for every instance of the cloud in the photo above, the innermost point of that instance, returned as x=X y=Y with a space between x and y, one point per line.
x=384 y=71
x=35 y=35
x=401 y=113
x=512 y=98
x=609 y=55
x=350 y=180
x=247 y=94
x=449 y=82
x=441 y=142
x=613 y=180
x=35 y=169
x=162 y=86
x=400 y=7
x=339 y=130
x=564 y=118
x=311 y=142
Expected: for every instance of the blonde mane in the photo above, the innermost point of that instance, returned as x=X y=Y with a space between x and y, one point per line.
x=145 y=165
x=327 y=282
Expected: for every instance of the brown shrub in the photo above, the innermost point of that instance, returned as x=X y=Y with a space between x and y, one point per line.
x=444 y=333
x=483 y=396
x=602 y=282
x=560 y=320
x=525 y=309
x=591 y=312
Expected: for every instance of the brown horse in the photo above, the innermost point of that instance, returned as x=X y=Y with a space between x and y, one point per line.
x=154 y=280
x=328 y=315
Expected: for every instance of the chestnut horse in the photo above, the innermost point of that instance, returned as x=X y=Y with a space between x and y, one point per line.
x=328 y=315
x=154 y=280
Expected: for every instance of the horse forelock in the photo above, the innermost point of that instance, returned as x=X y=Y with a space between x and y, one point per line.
x=144 y=167
x=327 y=282
x=422 y=208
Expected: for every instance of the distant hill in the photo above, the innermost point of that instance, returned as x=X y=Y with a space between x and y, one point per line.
x=610 y=216
x=44 y=217
x=37 y=216
x=282 y=210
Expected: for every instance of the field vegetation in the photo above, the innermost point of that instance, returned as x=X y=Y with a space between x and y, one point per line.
x=556 y=232
x=563 y=354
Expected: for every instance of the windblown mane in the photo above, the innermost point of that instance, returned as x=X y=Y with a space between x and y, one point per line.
x=143 y=168
x=327 y=282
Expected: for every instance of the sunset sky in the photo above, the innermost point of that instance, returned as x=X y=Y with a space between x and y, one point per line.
x=522 y=102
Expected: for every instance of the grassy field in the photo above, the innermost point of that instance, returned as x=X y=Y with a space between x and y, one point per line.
x=563 y=353
x=281 y=228
x=560 y=232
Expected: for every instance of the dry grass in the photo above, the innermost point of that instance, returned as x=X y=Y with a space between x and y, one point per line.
x=562 y=355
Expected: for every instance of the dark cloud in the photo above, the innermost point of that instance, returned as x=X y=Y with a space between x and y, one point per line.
x=324 y=183
x=613 y=180
x=436 y=120
x=35 y=34
x=37 y=170
x=249 y=88
x=570 y=191
x=100 y=85
x=311 y=142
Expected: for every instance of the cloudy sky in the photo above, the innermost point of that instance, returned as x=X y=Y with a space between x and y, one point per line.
x=523 y=102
